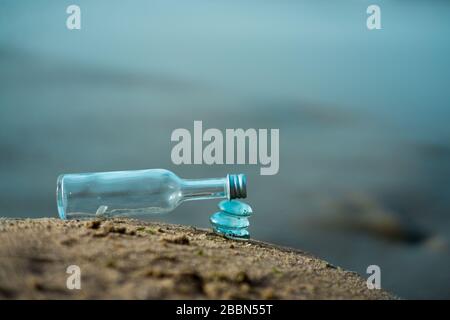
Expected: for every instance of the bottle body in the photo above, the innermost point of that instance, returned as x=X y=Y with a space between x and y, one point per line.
x=132 y=193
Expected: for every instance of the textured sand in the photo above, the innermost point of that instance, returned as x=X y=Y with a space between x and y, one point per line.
x=129 y=259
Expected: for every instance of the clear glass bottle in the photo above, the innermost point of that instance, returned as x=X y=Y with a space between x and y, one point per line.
x=137 y=192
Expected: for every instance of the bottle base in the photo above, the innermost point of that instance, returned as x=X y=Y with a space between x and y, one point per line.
x=61 y=200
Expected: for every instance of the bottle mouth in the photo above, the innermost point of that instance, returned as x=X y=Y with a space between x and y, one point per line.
x=237 y=186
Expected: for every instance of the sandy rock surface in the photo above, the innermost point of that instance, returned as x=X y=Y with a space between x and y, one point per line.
x=130 y=259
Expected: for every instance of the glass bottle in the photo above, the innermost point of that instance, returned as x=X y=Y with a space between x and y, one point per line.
x=138 y=192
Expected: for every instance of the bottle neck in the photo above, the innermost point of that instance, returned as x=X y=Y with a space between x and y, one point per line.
x=234 y=186
x=200 y=189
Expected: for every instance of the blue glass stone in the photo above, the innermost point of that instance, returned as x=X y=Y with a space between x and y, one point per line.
x=232 y=221
x=221 y=219
x=235 y=234
x=235 y=207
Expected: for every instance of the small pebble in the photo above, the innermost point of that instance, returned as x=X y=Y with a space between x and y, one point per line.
x=235 y=207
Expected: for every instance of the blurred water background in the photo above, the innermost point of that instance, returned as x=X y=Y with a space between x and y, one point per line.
x=363 y=116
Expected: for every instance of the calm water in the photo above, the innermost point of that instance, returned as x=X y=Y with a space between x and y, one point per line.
x=363 y=116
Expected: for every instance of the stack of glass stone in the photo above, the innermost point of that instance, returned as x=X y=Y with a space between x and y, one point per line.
x=232 y=219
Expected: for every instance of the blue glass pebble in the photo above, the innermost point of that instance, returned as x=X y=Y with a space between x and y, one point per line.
x=219 y=219
x=232 y=221
x=236 y=234
x=235 y=207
